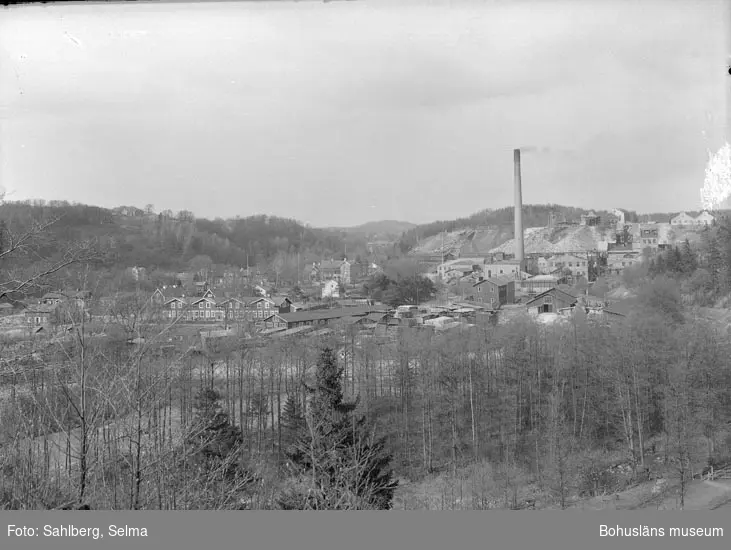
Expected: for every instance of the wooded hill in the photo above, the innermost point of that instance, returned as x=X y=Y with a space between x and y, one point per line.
x=167 y=241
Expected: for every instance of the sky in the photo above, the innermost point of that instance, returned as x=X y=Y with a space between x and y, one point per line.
x=340 y=113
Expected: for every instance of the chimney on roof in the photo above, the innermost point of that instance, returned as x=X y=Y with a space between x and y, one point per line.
x=518 y=239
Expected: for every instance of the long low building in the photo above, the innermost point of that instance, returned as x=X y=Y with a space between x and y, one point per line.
x=316 y=317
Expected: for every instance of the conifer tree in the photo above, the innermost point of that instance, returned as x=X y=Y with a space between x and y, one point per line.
x=293 y=422
x=690 y=264
x=342 y=462
x=213 y=437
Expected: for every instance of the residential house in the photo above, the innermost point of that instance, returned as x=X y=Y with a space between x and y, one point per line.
x=648 y=236
x=590 y=219
x=283 y=304
x=338 y=270
x=206 y=309
x=275 y=321
x=162 y=295
x=331 y=289
x=234 y=309
x=260 y=308
x=551 y=301
x=683 y=219
x=621 y=257
x=313 y=273
x=461 y=266
x=69 y=299
x=261 y=291
x=579 y=267
x=495 y=291
x=40 y=315
x=194 y=309
x=704 y=218
x=502 y=267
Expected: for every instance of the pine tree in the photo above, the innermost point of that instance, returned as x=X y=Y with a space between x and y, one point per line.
x=337 y=454
x=293 y=422
x=213 y=437
x=690 y=264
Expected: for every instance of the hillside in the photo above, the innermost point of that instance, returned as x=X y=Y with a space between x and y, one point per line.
x=469 y=235
x=164 y=240
x=534 y=215
x=379 y=229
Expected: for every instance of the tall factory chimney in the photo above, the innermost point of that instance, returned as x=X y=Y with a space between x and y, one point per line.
x=519 y=245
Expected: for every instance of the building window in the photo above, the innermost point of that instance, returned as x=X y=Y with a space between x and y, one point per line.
x=208 y=305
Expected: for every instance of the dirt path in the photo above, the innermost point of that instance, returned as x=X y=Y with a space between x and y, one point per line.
x=701 y=495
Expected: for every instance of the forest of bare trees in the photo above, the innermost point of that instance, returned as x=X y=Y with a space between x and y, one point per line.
x=548 y=410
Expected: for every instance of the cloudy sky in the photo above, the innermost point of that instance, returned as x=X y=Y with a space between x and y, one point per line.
x=343 y=112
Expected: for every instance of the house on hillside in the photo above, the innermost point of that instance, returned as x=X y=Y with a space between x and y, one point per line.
x=551 y=301
x=495 y=291
x=337 y=270
x=683 y=219
x=704 y=218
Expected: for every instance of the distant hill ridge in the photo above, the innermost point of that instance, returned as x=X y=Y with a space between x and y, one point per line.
x=379 y=228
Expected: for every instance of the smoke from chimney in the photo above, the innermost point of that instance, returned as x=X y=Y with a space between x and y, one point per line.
x=518 y=239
